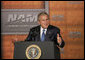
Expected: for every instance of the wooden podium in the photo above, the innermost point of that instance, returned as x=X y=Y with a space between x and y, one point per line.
x=41 y=50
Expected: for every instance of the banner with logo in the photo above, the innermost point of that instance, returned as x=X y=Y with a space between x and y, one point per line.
x=19 y=21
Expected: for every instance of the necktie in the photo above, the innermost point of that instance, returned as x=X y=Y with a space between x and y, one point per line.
x=43 y=35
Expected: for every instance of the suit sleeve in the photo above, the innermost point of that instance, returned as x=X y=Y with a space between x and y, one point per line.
x=29 y=37
x=62 y=43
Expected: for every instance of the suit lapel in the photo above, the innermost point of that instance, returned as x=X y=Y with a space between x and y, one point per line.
x=47 y=33
x=38 y=34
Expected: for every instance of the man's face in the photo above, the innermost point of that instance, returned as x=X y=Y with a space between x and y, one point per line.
x=44 y=21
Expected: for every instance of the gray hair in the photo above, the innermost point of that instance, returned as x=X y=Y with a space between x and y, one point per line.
x=42 y=13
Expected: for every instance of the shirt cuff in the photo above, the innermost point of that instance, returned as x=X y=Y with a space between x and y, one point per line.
x=60 y=44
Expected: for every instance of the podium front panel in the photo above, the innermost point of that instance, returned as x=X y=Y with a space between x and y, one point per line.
x=47 y=49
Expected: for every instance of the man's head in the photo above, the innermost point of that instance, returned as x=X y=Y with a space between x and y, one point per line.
x=43 y=19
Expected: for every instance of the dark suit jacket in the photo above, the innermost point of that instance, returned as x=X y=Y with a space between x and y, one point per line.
x=51 y=35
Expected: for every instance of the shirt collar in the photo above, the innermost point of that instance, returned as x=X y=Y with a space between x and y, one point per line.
x=43 y=28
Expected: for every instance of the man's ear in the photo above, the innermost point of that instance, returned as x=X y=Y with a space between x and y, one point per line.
x=38 y=22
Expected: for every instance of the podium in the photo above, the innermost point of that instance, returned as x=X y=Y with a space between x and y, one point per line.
x=41 y=50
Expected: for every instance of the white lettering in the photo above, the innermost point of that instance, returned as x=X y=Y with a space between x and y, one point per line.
x=22 y=18
x=12 y=17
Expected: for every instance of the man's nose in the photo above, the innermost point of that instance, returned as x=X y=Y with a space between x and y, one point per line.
x=46 y=21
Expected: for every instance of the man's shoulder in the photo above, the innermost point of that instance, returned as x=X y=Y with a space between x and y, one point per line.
x=35 y=28
x=53 y=27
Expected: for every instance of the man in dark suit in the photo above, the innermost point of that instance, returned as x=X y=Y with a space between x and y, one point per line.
x=45 y=31
x=51 y=33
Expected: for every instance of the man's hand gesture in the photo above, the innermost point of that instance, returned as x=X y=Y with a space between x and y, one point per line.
x=59 y=39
